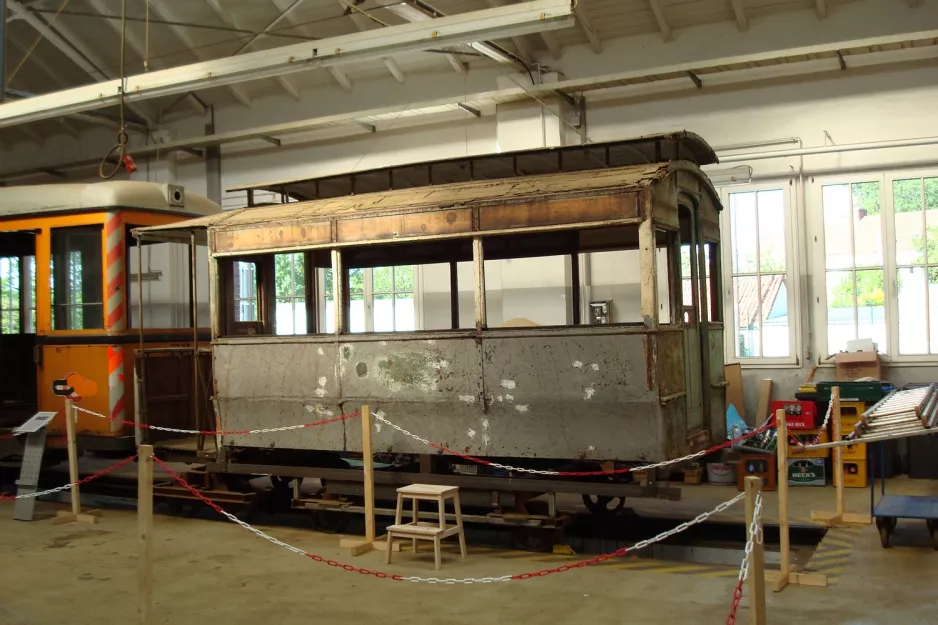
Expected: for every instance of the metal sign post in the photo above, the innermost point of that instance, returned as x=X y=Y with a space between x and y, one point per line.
x=28 y=482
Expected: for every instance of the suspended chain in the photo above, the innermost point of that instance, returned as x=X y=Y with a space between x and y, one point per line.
x=509 y=467
x=437 y=580
x=219 y=432
x=81 y=482
x=754 y=537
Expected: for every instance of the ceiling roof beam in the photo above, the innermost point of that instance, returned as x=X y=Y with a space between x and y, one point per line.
x=341 y=78
x=659 y=17
x=524 y=50
x=742 y=22
x=413 y=14
x=584 y=22
x=528 y=17
x=228 y=18
x=163 y=11
x=821 y=6
x=362 y=23
x=67 y=44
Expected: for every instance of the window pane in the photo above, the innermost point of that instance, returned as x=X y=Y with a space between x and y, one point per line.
x=837 y=242
x=329 y=326
x=933 y=309
x=931 y=219
x=532 y=291
x=614 y=277
x=405 y=319
x=31 y=296
x=841 y=310
x=77 y=281
x=165 y=285
x=382 y=279
x=771 y=206
x=743 y=222
x=868 y=224
x=356 y=280
x=776 y=337
x=404 y=278
x=288 y=274
x=910 y=237
x=245 y=284
x=10 y=295
x=284 y=316
x=383 y=312
x=299 y=316
x=327 y=282
x=912 y=307
x=357 y=313
x=871 y=311
x=747 y=316
x=246 y=310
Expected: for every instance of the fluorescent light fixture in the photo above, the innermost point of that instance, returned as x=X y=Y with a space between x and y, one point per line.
x=730 y=176
x=492 y=51
x=510 y=20
x=409 y=12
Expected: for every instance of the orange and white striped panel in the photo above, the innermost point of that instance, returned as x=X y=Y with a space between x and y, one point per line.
x=115 y=319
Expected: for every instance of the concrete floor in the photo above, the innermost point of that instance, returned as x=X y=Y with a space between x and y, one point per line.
x=212 y=570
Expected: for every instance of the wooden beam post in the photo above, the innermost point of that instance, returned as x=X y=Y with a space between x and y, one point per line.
x=478 y=266
x=649 y=272
x=145 y=533
x=757 y=564
x=838 y=516
x=75 y=515
x=785 y=575
x=358 y=546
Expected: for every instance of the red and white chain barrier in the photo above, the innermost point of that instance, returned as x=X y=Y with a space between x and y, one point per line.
x=755 y=536
x=159 y=428
x=509 y=467
x=81 y=482
x=817 y=438
x=436 y=580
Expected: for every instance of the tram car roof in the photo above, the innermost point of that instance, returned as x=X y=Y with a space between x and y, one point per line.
x=48 y=199
x=313 y=218
x=672 y=146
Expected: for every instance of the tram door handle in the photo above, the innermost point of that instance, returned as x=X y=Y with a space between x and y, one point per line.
x=37 y=355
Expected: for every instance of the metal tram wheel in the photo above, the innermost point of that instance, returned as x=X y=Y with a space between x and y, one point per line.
x=602 y=505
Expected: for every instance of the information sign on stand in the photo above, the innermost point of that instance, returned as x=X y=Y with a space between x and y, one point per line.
x=28 y=482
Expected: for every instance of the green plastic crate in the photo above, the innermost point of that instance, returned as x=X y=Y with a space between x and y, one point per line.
x=869 y=392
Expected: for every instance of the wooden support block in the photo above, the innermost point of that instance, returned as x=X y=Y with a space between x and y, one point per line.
x=826 y=517
x=857 y=519
x=62 y=517
x=779 y=581
x=362 y=546
x=765 y=397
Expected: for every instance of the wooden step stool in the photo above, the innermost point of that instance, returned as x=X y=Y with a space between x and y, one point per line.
x=419 y=530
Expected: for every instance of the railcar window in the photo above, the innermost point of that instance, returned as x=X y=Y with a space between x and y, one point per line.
x=166 y=281
x=290 y=287
x=77 y=279
x=18 y=295
x=522 y=292
x=245 y=291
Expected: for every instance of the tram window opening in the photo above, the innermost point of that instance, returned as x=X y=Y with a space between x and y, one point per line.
x=167 y=285
x=246 y=300
x=77 y=279
x=290 y=315
x=18 y=295
x=405 y=288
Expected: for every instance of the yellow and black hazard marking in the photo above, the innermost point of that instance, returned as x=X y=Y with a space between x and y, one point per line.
x=834 y=551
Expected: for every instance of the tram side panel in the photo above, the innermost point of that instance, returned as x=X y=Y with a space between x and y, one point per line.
x=583 y=397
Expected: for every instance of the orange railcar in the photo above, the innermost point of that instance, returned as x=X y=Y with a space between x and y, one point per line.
x=69 y=297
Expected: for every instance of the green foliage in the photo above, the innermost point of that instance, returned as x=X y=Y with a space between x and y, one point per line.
x=289 y=275
x=866 y=196
x=907 y=194
x=870 y=291
x=926 y=248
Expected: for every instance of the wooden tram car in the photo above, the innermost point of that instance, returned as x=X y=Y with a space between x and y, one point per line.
x=572 y=389
x=69 y=287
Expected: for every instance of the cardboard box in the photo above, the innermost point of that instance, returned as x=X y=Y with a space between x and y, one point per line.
x=807 y=436
x=852 y=366
x=799 y=415
x=856 y=474
x=807 y=472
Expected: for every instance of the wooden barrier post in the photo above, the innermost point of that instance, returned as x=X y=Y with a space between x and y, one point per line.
x=757 y=564
x=76 y=514
x=145 y=533
x=838 y=517
x=786 y=576
x=358 y=546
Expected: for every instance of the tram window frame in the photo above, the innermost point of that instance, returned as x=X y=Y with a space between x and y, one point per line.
x=184 y=274
x=374 y=258
x=23 y=309
x=92 y=313
x=578 y=248
x=265 y=294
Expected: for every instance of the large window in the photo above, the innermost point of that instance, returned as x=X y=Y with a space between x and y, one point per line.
x=246 y=304
x=290 y=285
x=165 y=281
x=854 y=263
x=77 y=279
x=18 y=295
x=759 y=292
x=915 y=215
x=381 y=299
